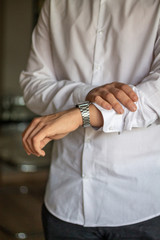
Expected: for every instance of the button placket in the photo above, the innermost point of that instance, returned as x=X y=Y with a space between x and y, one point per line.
x=86 y=153
x=97 y=76
x=84 y=163
x=98 y=58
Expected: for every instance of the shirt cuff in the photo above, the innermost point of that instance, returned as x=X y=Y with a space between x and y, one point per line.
x=112 y=121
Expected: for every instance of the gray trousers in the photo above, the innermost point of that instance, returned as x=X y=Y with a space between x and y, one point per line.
x=56 y=229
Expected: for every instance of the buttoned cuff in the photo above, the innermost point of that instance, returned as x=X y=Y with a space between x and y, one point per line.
x=112 y=122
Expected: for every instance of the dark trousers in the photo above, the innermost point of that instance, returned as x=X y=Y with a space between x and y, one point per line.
x=56 y=229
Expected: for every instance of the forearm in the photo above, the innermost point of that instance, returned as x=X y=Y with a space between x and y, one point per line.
x=56 y=126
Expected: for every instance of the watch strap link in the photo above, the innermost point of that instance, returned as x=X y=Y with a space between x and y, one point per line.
x=84 y=109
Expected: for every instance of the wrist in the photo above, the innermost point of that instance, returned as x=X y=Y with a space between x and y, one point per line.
x=96 y=118
x=78 y=116
x=85 y=114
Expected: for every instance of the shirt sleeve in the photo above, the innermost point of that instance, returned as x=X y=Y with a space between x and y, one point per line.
x=43 y=93
x=148 y=105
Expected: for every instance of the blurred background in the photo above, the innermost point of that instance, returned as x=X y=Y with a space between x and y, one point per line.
x=22 y=178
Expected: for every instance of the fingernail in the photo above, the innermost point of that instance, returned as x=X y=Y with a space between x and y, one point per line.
x=134 y=108
x=121 y=111
x=135 y=98
x=43 y=154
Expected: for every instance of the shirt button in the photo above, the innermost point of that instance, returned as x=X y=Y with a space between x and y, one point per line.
x=83 y=175
x=100 y=33
x=110 y=128
x=87 y=140
x=98 y=67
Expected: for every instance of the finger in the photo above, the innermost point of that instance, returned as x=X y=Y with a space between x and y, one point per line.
x=27 y=150
x=26 y=134
x=35 y=131
x=25 y=144
x=114 y=103
x=44 y=142
x=42 y=138
x=102 y=102
x=39 y=140
x=128 y=90
x=124 y=99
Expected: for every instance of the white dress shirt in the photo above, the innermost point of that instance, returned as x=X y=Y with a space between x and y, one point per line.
x=110 y=176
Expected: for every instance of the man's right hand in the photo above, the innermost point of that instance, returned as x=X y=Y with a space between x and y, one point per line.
x=114 y=95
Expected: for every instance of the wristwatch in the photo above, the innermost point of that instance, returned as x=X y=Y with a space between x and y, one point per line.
x=84 y=109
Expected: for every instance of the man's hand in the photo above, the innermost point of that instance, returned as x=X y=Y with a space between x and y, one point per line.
x=113 y=95
x=44 y=129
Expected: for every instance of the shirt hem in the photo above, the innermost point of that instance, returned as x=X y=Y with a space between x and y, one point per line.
x=101 y=225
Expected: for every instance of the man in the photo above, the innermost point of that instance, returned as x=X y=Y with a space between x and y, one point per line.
x=96 y=63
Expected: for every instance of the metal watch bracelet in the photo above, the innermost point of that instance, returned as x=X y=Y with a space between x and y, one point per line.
x=84 y=109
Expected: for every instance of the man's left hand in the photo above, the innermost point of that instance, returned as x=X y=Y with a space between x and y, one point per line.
x=44 y=129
